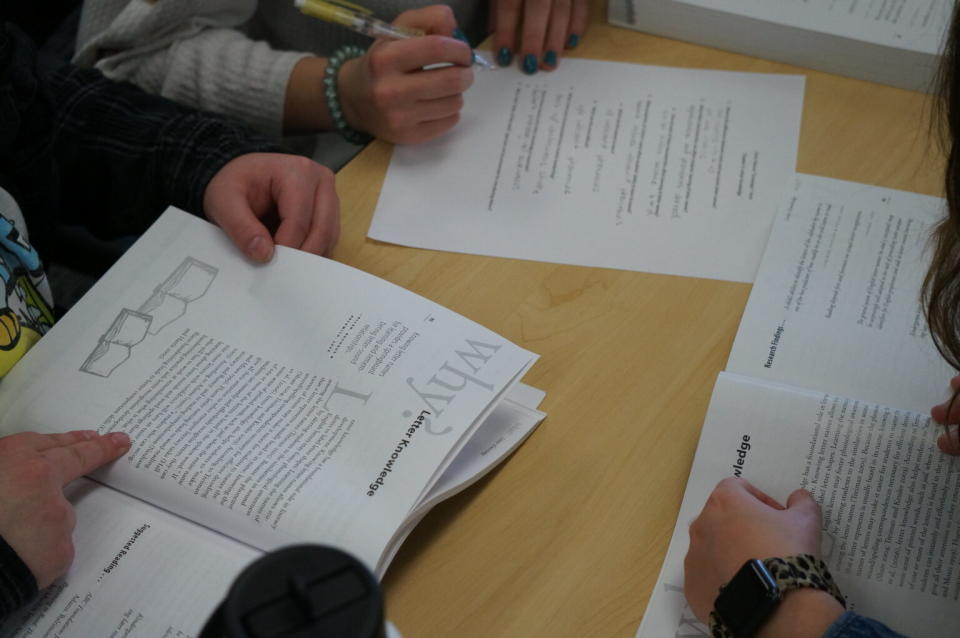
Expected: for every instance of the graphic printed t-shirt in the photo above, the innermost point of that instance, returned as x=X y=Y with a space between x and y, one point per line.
x=26 y=308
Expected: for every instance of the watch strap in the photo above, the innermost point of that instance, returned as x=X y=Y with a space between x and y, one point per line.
x=803 y=570
x=790 y=573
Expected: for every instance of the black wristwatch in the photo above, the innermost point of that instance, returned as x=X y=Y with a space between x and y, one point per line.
x=755 y=592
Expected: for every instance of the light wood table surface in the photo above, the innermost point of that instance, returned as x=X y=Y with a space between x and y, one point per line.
x=567 y=537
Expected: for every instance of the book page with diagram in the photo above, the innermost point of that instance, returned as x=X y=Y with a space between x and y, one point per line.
x=891 y=525
x=916 y=25
x=301 y=400
x=836 y=304
x=604 y=164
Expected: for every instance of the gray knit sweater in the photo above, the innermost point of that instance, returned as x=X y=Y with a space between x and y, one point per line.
x=228 y=56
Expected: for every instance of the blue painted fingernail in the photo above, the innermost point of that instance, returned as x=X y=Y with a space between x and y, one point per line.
x=573 y=41
x=460 y=35
x=504 y=56
x=550 y=59
x=529 y=64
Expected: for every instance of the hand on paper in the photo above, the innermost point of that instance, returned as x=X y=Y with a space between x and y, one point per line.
x=262 y=199
x=35 y=518
x=949 y=441
x=389 y=94
x=536 y=31
x=738 y=523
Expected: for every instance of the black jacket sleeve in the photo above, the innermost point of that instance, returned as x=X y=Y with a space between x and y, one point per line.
x=17 y=584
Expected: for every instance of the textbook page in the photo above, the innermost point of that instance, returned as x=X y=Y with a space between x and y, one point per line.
x=301 y=400
x=139 y=572
x=891 y=527
x=607 y=164
x=916 y=25
x=836 y=305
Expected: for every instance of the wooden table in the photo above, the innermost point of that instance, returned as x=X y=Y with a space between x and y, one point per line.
x=567 y=537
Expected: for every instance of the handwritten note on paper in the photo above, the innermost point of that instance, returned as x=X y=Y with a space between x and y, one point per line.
x=675 y=171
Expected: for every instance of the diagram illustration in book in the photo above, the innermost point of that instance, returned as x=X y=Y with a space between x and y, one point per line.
x=190 y=281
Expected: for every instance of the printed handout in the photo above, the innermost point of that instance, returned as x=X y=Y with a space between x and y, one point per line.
x=666 y=170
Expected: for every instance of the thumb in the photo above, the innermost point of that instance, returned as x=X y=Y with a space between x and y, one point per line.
x=246 y=231
x=802 y=500
x=437 y=19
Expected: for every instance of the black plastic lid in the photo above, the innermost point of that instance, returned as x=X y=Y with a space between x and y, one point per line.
x=304 y=591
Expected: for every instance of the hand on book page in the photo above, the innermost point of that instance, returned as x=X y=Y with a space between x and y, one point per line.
x=738 y=523
x=260 y=199
x=35 y=518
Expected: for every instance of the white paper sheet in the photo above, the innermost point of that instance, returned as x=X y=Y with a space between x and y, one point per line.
x=836 y=305
x=665 y=170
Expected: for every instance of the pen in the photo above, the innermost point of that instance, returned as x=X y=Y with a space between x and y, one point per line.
x=359 y=19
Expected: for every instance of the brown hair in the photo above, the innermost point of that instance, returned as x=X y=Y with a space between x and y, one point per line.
x=941 y=286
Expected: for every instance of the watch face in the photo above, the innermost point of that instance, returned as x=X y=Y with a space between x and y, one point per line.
x=746 y=602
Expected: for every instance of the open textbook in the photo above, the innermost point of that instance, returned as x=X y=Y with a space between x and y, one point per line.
x=893 y=42
x=606 y=164
x=301 y=401
x=829 y=387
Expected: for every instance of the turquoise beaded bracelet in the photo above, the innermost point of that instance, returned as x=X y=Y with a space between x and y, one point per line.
x=334 y=63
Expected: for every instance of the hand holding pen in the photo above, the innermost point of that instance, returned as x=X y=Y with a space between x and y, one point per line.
x=410 y=90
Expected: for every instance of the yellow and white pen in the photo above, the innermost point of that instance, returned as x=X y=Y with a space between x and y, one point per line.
x=358 y=19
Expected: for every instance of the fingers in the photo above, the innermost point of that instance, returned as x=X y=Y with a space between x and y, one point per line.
x=506 y=18
x=436 y=83
x=308 y=207
x=82 y=457
x=536 y=15
x=439 y=109
x=412 y=89
x=235 y=216
x=404 y=56
x=437 y=19
x=949 y=442
x=325 y=227
x=556 y=34
x=939 y=412
x=429 y=130
x=295 y=209
x=46 y=441
x=579 y=12
x=802 y=500
x=739 y=486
